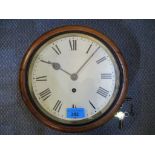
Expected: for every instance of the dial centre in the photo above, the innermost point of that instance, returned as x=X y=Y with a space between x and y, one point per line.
x=74 y=77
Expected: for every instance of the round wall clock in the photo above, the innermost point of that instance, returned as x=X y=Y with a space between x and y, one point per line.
x=73 y=78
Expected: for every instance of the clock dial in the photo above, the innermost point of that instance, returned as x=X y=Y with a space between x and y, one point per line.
x=73 y=78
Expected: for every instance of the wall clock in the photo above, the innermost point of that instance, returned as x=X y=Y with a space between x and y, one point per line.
x=73 y=78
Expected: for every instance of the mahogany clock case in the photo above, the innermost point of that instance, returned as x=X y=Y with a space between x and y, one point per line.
x=23 y=78
x=136 y=40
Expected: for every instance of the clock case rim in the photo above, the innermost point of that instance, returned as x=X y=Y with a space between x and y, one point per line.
x=85 y=120
x=23 y=83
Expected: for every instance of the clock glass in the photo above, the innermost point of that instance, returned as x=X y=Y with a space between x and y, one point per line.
x=73 y=78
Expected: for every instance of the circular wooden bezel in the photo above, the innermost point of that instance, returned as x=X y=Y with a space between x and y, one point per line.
x=56 y=125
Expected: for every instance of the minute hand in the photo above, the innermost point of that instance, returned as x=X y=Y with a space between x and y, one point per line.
x=87 y=61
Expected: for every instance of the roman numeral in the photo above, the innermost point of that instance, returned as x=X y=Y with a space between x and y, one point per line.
x=92 y=104
x=45 y=94
x=57 y=106
x=89 y=48
x=56 y=49
x=101 y=60
x=41 y=78
x=73 y=44
x=106 y=76
x=103 y=92
x=73 y=106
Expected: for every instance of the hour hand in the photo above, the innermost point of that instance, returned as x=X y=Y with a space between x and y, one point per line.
x=55 y=66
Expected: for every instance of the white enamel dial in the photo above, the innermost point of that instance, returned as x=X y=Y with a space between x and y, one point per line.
x=73 y=78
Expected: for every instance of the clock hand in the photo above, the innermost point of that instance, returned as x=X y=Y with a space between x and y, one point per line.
x=87 y=61
x=65 y=71
x=56 y=66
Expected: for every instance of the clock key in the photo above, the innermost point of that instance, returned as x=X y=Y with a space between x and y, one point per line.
x=121 y=116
